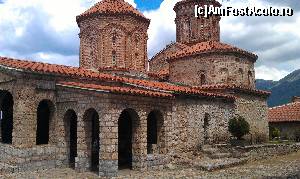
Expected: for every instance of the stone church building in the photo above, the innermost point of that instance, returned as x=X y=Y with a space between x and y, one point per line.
x=111 y=112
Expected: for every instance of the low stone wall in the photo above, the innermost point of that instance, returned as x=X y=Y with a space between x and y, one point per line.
x=258 y=152
x=36 y=158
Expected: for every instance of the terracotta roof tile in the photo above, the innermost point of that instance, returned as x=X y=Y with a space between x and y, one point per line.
x=112 y=7
x=286 y=113
x=208 y=47
x=75 y=72
x=114 y=89
x=231 y=86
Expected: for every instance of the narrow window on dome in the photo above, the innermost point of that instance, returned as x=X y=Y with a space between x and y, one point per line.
x=249 y=78
x=114 y=58
x=114 y=38
x=202 y=79
x=190 y=28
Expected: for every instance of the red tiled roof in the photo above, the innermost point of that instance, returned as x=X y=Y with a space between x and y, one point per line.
x=112 y=7
x=286 y=113
x=44 y=68
x=232 y=86
x=114 y=89
x=208 y=47
x=163 y=74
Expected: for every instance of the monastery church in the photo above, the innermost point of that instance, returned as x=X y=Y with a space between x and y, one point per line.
x=111 y=113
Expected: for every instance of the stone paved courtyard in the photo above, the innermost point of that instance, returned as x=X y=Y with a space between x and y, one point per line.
x=281 y=166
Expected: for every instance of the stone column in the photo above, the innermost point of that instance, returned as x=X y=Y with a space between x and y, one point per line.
x=82 y=162
x=108 y=157
x=139 y=146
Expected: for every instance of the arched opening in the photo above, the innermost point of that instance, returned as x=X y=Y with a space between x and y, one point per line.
x=114 y=38
x=92 y=126
x=70 y=119
x=126 y=128
x=6 y=116
x=241 y=75
x=206 y=127
x=45 y=112
x=155 y=132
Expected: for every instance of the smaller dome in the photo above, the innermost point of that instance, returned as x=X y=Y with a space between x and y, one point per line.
x=112 y=7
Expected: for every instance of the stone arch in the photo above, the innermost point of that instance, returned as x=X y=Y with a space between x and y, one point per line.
x=6 y=116
x=155 y=133
x=70 y=125
x=128 y=124
x=92 y=139
x=45 y=114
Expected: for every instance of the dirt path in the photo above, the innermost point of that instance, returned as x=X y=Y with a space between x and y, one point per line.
x=283 y=166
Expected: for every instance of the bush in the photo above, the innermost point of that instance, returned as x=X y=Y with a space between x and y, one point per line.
x=275 y=133
x=238 y=127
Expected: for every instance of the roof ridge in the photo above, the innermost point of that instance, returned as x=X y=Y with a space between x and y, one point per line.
x=283 y=105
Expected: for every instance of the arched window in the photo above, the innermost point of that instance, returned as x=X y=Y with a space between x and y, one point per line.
x=155 y=132
x=241 y=74
x=202 y=79
x=45 y=112
x=114 y=58
x=6 y=116
x=224 y=74
x=206 y=124
x=250 y=76
x=114 y=38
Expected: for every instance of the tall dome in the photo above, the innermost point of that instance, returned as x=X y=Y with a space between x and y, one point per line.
x=191 y=30
x=113 y=35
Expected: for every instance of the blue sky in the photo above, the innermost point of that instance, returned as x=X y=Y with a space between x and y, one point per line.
x=46 y=31
x=147 y=4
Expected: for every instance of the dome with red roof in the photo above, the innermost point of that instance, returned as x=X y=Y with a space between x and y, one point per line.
x=109 y=7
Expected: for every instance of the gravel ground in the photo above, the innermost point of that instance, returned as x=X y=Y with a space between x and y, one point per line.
x=281 y=166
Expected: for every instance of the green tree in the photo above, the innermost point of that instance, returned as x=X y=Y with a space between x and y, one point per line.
x=238 y=127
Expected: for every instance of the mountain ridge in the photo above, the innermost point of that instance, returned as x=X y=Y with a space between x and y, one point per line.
x=282 y=90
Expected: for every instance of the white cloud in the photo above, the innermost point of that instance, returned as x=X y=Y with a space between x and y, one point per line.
x=47 y=31
x=268 y=73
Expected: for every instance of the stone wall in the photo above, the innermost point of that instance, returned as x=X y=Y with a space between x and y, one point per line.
x=288 y=130
x=216 y=68
x=188 y=123
x=159 y=62
x=113 y=41
x=254 y=109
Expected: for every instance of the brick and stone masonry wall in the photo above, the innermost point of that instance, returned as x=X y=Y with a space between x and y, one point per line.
x=217 y=68
x=158 y=62
x=96 y=42
x=191 y=30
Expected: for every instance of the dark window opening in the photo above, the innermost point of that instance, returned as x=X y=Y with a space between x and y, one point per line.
x=151 y=132
x=206 y=126
x=114 y=58
x=114 y=38
x=44 y=115
x=125 y=135
x=202 y=79
x=6 y=117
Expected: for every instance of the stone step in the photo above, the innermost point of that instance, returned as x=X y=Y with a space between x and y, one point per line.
x=220 y=155
x=217 y=164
